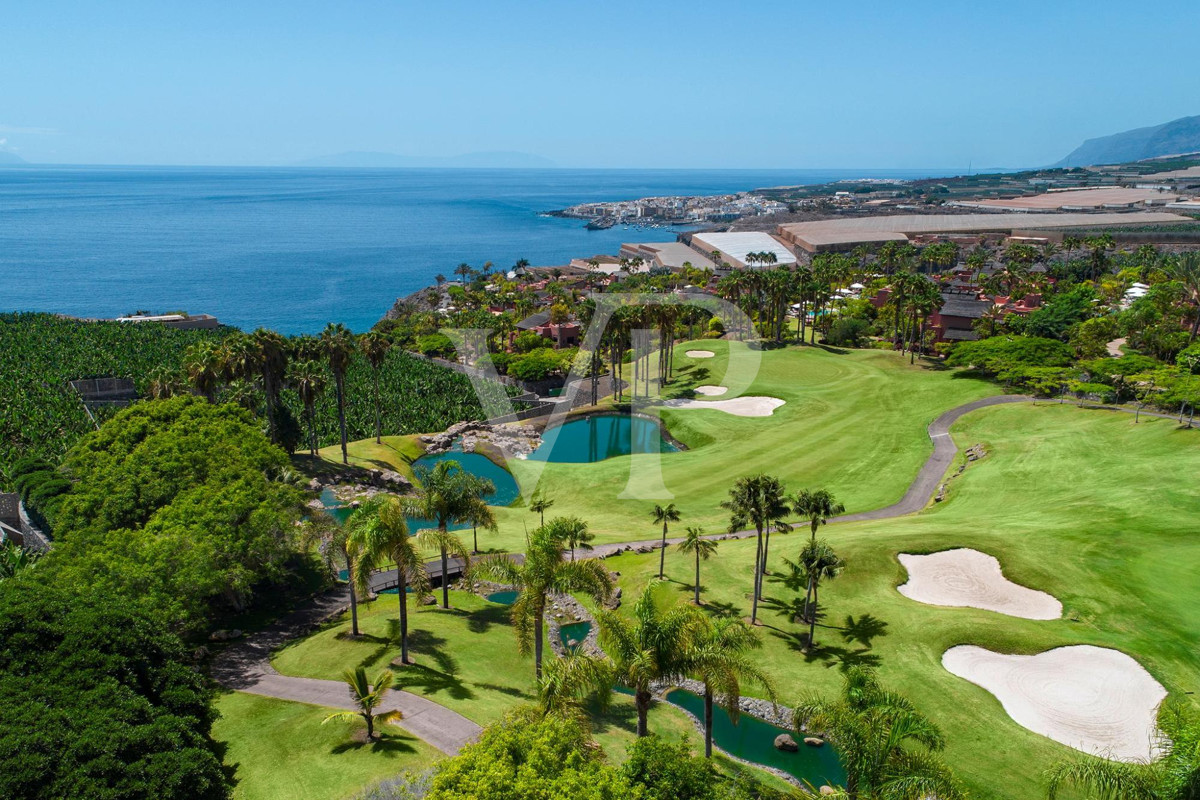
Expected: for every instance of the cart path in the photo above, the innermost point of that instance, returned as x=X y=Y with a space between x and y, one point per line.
x=246 y=667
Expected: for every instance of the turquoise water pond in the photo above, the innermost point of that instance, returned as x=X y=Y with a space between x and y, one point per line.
x=754 y=740
x=577 y=632
x=596 y=438
x=506 y=598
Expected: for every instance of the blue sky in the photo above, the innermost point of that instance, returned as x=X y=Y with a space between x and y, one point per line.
x=601 y=84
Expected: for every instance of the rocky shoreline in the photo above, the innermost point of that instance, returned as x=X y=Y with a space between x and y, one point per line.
x=512 y=441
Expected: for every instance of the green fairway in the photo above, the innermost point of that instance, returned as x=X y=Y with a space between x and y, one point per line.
x=1082 y=504
x=281 y=750
x=853 y=422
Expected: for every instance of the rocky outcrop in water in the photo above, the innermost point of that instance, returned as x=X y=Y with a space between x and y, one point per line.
x=510 y=440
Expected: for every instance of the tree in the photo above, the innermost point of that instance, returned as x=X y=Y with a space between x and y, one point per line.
x=1186 y=270
x=271 y=359
x=331 y=539
x=367 y=699
x=203 y=364
x=1175 y=775
x=99 y=700
x=817 y=506
x=339 y=347
x=544 y=571
x=665 y=516
x=817 y=562
x=378 y=536
x=446 y=495
x=657 y=645
x=15 y=559
x=757 y=500
x=886 y=746
x=375 y=348
x=669 y=771
x=722 y=664
x=308 y=378
x=702 y=548
x=480 y=513
x=540 y=504
x=572 y=532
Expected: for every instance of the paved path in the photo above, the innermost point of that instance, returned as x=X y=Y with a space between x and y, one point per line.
x=246 y=667
x=1114 y=347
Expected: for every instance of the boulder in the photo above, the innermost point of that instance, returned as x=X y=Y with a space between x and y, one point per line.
x=827 y=790
x=786 y=743
x=813 y=741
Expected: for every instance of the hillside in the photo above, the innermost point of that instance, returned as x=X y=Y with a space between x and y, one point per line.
x=1180 y=136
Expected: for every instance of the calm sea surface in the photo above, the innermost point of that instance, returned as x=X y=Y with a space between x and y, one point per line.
x=292 y=249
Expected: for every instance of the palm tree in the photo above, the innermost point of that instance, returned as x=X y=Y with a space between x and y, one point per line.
x=657 y=645
x=665 y=516
x=1186 y=270
x=324 y=531
x=479 y=513
x=540 y=504
x=375 y=348
x=444 y=495
x=15 y=559
x=378 y=536
x=569 y=681
x=308 y=378
x=886 y=746
x=816 y=506
x=367 y=700
x=339 y=347
x=203 y=364
x=702 y=548
x=817 y=562
x=757 y=500
x=572 y=532
x=543 y=571
x=722 y=665
x=271 y=357
x=1175 y=775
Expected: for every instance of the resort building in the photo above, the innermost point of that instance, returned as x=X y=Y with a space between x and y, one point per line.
x=565 y=334
x=667 y=255
x=734 y=248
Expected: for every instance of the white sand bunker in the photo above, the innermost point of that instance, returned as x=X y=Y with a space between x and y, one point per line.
x=971 y=579
x=711 y=391
x=1094 y=699
x=700 y=354
x=738 y=406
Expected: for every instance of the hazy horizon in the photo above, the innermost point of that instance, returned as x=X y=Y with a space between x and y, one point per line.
x=669 y=86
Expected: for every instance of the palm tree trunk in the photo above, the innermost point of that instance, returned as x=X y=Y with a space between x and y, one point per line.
x=642 y=701
x=697 y=577
x=378 y=420
x=754 y=591
x=353 y=596
x=537 y=637
x=763 y=568
x=812 y=618
x=311 y=408
x=445 y=579
x=708 y=721
x=662 y=553
x=370 y=718
x=474 y=538
x=402 y=591
x=341 y=403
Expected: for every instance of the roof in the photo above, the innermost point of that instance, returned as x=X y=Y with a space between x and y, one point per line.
x=957 y=305
x=670 y=254
x=1075 y=198
x=534 y=321
x=959 y=335
x=736 y=246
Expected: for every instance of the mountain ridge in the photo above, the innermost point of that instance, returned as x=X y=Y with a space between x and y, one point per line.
x=1177 y=137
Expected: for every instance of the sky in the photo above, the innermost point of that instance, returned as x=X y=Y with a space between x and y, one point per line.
x=700 y=84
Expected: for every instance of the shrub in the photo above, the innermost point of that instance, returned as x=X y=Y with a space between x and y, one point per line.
x=528 y=341
x=847 y=332
x=435 y=344
x=1000 y=353
x=669 y=771
x=716 y=326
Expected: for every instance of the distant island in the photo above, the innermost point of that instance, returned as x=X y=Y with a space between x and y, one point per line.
x=1179 y=137
x=482 y=160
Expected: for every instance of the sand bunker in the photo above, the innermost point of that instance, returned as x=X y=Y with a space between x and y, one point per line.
x=971 y=579
x=711 y=391
x=1094 y=699
x=700 y=354
x=738 y=406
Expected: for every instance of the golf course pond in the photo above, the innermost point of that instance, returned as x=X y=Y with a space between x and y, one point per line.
x=601 y=436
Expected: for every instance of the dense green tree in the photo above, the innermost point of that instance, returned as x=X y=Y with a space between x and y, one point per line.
x=669 y=771
x=97 y=700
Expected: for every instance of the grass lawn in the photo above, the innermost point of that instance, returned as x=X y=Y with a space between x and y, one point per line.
x=854 y=422
x=1083 y=504
x=467 y=660
x=281 y=750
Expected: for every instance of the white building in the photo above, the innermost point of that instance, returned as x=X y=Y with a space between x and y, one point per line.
x=735 y=247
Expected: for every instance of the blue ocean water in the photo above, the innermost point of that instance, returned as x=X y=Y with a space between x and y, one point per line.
x=293 y=249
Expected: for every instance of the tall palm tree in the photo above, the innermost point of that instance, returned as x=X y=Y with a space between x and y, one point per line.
x=379 y=535
x=567 y=682
x=203 y=364
x=817 y=506
x=1186 y=270
x=1175 y=775
x=443 y=495
x=664 y=515
x=308 y=378
x=572 y=532
x=479 y=513
x=271 y=355
x=544 y=571
x=757 y=500
x=887 y=747
x=721 y=663
x=375 y=348
x=331 y=539
x=817 y=562
x=367 y=699
x=657 y=645
x=540 y=504
x=702 y=548
x=339 y=347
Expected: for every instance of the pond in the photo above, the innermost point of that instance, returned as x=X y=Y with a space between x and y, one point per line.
x=474 y=463
x=505 y=598
x=754 y=740
x=602 y=436
x=574 y=632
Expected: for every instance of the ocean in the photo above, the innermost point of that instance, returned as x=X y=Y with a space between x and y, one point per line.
x=292 y=249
